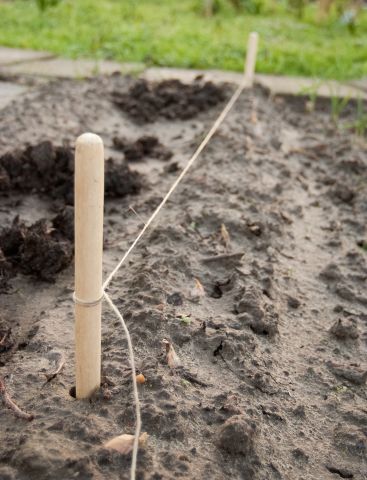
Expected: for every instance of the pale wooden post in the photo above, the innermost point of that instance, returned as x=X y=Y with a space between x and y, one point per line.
x=251 y=58
x=89 y=198
x=208 y=8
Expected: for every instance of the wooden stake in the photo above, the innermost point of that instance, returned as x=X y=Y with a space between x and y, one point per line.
x=89 y=197
x=208 y=8
x=251 y=58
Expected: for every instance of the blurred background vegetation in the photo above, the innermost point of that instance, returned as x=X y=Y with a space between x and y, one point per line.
x=324 y=38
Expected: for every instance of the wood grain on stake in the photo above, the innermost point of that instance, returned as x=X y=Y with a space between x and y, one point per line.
x=251 y=58
x=89 y=197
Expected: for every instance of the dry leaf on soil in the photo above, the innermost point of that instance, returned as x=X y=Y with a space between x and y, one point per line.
x=125 y=443
x=225 y=235
x=171 y=356
x=197 y=291
x=254 y=115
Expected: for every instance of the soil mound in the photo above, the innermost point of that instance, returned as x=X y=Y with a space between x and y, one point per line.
x=146 y=102
x=48 y=169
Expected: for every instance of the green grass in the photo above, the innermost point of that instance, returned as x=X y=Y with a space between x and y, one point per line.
x=175 y=33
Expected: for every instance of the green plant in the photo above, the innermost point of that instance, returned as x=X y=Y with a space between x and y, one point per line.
x=131 y=31
x=312 y=93
x=359 y=125
x=298 y=7
x=337 y=106
x=212 y=7
x=254 y=7
x=44 y=4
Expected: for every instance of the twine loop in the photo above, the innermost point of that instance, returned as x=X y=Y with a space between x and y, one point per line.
x=85 y=303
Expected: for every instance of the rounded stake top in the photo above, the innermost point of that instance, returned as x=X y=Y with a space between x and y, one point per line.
x=89 y=139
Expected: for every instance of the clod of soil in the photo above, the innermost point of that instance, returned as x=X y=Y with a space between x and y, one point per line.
x=64 y=223
x=237 y=435
x=35 y=250
x=47 y=169
x=353 y=373
x=6 y=339
x=251 y=302
x=120 y=180
x=293 y=302
x=344 y=193
x=143 y=147
x=262 y=326
x=344 y=331
x=169 y=99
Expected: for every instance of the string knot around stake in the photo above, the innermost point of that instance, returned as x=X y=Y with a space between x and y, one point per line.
x=85 y=303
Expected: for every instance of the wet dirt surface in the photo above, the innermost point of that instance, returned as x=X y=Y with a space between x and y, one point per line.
x=255 y=274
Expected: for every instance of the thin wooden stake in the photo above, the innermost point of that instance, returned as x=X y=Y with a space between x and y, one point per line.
x=251 y=58
x=89 y=197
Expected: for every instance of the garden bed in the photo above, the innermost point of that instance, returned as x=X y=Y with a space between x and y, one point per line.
x=255 y=272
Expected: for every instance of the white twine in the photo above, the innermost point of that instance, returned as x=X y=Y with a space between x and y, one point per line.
x=201 y=147
x=85 y=303
x=135 y=386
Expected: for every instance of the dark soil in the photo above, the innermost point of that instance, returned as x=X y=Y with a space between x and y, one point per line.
x=142 y=149
x=6 y=340
x=47 y=169
x=255 y=273
x=169 y=99
x=40 y=249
